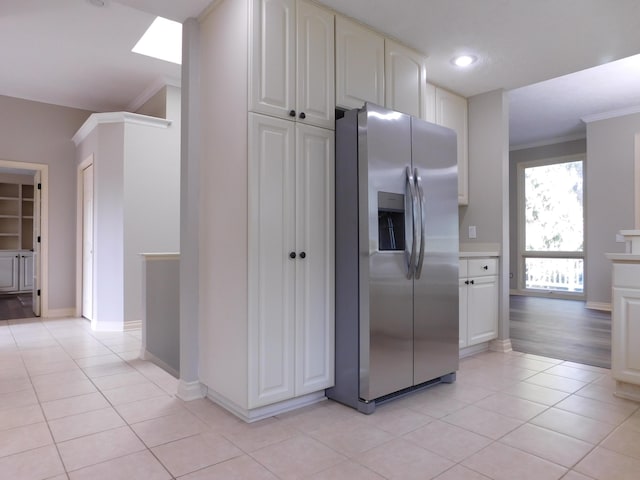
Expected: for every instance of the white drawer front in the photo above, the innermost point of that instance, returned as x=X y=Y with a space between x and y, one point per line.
x=482 y=266
x=626 y=275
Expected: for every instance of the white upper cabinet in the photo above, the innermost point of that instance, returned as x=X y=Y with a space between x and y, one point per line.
x=450 y=110
x=273 y=75
x=359 y=65
x=292 y=61
x=315 y=66
x=405 y=80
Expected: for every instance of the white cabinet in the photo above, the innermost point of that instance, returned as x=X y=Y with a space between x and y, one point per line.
x=9 y=271
x=26 y=272
x=405 y=80
x=16 y=271
x=450 y=110
x=478 y=290
x=359 y=65
x=292 y=61
x=291 y=171
x=625 y=318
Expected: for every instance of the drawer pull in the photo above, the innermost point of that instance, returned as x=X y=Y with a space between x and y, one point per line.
x=486 y=267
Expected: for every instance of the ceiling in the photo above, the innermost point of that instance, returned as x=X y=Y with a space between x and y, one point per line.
x=69 y=52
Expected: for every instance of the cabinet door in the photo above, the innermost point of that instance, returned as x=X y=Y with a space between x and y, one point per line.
x=272 y=57
x=359 y=65
x=315 y=259
x=482 y=309
x=315 y=91
x=463 y=305
x=26 y=272
x=270 y=271
x=9 y=266
x=405 y=80
x=625 y=335
x=451 y=111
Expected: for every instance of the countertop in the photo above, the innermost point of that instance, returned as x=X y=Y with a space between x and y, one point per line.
x=478 y=254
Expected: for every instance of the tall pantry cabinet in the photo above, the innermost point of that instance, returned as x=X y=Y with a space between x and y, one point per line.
x=267 y=281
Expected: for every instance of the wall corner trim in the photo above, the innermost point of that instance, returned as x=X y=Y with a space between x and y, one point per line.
x=96 y=119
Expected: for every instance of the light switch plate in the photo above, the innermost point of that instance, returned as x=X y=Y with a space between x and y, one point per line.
x=472 y=231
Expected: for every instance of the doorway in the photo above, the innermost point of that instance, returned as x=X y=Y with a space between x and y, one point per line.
x=87 y=242
x=23 y=246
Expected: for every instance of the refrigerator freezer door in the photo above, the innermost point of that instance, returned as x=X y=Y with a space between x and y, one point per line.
x=436 y=287
x=386 y=307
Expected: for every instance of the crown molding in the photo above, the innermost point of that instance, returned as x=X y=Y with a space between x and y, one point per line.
x=155 y=86
x=117 y=117
x=549 y=141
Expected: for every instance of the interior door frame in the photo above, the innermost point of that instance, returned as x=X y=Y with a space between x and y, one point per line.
x=43 y=259
x=89 y=160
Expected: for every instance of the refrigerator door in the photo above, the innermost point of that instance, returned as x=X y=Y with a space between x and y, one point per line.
x=436 y=280
x=386 y=233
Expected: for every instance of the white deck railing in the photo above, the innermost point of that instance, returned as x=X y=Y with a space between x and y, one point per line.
x=562 y=274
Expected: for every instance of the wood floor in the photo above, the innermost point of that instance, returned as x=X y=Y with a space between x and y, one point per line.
x=563 y=329
x=16 y=306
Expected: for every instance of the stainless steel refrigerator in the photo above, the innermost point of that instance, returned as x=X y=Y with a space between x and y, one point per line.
x=396 y=256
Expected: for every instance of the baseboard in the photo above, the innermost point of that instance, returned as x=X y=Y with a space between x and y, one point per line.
x=59 y=313
x=188 y=391
x=500 y=345
x=146 y=355
x=605 y=307
x=132 y=325
x=474 y=349
x=97 y=326
x=627 y=391
x=260 y=413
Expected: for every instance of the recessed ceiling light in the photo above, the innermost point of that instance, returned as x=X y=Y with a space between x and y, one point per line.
x=463 y=60
x=97 y=3
x=163 y=40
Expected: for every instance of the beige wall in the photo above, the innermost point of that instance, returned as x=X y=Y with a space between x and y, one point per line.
x=488 y=208
x=609 y=197
x=36 y=132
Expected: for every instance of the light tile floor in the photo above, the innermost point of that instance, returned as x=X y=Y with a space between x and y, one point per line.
x=77 y=404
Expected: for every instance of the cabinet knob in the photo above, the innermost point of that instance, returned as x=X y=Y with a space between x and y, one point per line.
x=303 y=255
x=466 y=282
x=302 y=115
x=292 y=113
x=292 y=255
x=472 y=282
x=486 y=267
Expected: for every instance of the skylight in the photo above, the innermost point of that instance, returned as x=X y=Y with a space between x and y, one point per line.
x=162 y=40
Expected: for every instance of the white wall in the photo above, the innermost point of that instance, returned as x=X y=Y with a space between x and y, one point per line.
x=223 y=199
x=609 y=198
x=36 y=132
x=105 y=143
x=151 y=203
x=136 y=202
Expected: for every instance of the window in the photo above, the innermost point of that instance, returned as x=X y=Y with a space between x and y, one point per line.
x=551 y=226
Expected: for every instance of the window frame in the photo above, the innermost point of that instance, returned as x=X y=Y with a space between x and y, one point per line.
x=523 y=254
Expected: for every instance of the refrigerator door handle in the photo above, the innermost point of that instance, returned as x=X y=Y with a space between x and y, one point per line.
x=420 y=193
x=412 y=197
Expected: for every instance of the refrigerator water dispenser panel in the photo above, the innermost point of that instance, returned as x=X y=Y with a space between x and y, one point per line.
x=391 y=226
